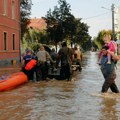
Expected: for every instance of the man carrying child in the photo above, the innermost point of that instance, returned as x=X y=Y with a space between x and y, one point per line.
x=108 y=66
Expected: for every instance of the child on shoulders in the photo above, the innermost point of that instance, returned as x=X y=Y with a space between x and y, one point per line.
x=111 y=45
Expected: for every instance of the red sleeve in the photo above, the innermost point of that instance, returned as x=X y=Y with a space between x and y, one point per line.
x=111 y=46
x=100 y=53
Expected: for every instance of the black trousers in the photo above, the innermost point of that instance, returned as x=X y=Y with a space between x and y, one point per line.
x=65 y=71
x=38 y=73
x=29 y=73
x=109 y=82
x=42 y=71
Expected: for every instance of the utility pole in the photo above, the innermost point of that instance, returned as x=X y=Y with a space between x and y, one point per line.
x=113 y=25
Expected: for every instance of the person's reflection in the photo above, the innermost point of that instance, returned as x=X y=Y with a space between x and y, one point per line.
x=108 y=110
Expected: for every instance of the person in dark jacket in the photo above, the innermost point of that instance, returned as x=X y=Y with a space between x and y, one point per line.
x=26 y=58
x=66 y=56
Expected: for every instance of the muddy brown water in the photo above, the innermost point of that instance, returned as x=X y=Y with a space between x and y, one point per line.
x=79 y=99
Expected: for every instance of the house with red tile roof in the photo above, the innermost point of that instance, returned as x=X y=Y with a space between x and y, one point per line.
x=9 y=30
x=37 y=23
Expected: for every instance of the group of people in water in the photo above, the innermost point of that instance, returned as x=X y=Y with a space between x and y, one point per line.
x=108 y=57
x=44 y=60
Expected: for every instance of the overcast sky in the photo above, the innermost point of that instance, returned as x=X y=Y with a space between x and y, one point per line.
x=90 y=11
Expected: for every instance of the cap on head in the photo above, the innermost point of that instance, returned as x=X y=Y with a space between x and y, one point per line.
x=28 y=50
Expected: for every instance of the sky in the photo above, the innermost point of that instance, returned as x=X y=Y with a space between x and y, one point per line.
x=91 y=12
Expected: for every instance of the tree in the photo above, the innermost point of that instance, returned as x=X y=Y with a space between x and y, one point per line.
x=62 y=25
x=35 y=35
x=87 y=45
x=95 y=43
x=82 y=35
x=25 y=11
x=99 y=39
x=56 y=21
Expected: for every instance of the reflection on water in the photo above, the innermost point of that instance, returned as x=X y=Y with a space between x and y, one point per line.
x=61 y=100
x=108 y=109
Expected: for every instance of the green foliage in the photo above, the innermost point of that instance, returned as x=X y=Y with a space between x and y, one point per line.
x=35 y=36
x=35 y=47
x=96 y=44
x=81 y=35
x=25 y=11
x=99 y=40
x=87 y=45
x=62 y=25
x=56 y=21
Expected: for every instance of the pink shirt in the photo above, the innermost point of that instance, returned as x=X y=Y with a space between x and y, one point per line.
x=112 y=46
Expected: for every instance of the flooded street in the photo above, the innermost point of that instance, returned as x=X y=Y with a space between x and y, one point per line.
x=79 y=99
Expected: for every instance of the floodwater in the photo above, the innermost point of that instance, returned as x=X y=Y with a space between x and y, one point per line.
x=79 y=99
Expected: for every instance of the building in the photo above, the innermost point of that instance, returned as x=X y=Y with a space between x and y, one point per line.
x=37 y=23
x=9 y=30
x=117 y=21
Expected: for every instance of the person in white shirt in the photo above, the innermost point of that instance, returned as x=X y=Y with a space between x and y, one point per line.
x=43 y=56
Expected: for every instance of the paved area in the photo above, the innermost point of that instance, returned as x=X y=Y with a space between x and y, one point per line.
x=9 y=69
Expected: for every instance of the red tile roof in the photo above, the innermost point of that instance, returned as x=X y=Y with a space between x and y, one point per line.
x=38 y=23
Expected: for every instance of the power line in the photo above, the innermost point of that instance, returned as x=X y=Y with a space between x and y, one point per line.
x=95 y=16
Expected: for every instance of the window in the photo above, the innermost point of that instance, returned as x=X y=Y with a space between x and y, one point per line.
x=5 y=7
x=13 y=10
x=13 y=41
x=5 y=40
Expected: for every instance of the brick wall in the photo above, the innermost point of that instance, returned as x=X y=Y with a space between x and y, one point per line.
x=11 y=26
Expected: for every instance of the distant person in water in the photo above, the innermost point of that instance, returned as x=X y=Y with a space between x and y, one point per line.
x=78 y=56
x=66 y=57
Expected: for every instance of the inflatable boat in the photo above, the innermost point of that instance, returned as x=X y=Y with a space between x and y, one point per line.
x=12 y=81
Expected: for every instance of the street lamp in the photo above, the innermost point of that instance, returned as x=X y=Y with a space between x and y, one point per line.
x=113 y=27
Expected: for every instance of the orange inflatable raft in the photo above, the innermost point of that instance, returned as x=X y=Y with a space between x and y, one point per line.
x=13 y=81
